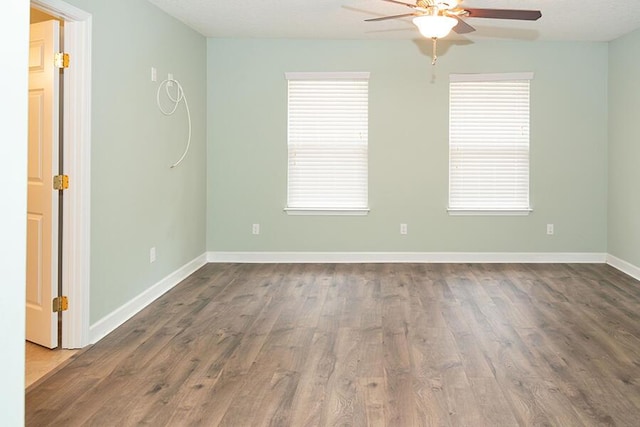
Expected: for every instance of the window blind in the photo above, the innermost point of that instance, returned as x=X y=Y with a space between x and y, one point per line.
x=327 y=141
x=489 y=142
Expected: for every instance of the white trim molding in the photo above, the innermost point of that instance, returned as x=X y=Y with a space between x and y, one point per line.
x=624 y=266
x=60 y=9
x=77 y=202
x=328 y=75
x=490 y=77
x=107 y=324
x=400 y=257
x=327 y=212
x=489 y=212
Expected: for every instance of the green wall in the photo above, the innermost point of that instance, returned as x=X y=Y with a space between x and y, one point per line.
x=624 y=148
x=137 y=202
x=408 y=160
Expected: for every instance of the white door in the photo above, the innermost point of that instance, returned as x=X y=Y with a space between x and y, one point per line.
x=42 y=200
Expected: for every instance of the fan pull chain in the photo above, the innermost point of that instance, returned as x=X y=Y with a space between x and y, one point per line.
x=434 y=51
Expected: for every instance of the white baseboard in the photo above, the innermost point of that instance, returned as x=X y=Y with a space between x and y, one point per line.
x=399 y=257
x=104 y=326
x=624 y=266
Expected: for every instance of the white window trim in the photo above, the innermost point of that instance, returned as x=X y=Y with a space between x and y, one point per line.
x=491 y=77
x=478 y=77
x=489 y=212
x=344 y=75
x=328 y=212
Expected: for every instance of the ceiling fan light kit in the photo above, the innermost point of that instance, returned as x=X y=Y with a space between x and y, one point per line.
x=434 y=27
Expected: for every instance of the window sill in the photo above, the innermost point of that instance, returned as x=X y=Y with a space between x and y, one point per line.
x=327 y=212
x=489 y=212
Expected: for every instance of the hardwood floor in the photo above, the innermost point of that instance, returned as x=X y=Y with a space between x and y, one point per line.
x=365 y=344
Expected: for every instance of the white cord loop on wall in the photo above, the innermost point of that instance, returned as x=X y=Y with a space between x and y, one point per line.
x=180 y=96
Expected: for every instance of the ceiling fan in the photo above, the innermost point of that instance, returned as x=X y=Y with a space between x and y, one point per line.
x=435 y=19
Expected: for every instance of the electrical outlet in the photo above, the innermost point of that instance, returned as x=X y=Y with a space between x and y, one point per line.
x=403 y=228
x=154 y=74
x=152 y=255
x=256 y=229
x=550 y=229
x=170 y=80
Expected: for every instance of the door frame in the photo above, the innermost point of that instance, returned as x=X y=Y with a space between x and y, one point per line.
x=77 y=162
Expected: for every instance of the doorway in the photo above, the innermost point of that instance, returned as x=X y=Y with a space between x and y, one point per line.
x=76 y=133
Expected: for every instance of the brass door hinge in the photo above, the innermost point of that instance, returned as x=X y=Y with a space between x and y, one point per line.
x=60 y=304
x=60 y=182
x=61 y=60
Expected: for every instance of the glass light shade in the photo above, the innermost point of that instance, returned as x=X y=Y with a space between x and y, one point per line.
x=434 y=26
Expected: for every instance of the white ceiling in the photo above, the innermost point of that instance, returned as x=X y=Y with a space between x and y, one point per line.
x=589 y=20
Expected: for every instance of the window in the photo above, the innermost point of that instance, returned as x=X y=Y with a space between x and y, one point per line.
x=489 y=143
x=327 y=142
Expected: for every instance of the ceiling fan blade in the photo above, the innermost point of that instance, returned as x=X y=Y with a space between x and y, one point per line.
x=412 y=6
x=525 y=15
x=462 y=27
x=384 y=18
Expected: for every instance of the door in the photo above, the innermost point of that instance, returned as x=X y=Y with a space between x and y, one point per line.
x=42 y=200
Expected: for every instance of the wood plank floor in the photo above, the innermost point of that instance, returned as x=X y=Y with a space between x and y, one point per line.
x=365 y=345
